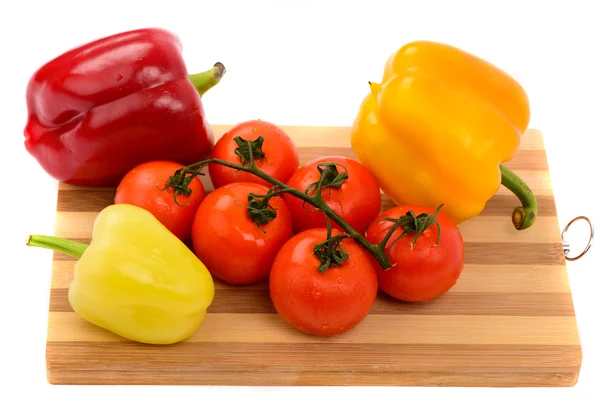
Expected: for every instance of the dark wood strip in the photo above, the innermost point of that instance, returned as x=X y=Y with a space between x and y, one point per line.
x=254 y=300
x=92 y=200
x=514 y=253
x=503 y=205
x=498 y=205
x=500 y=304
x=96 y=200
x=326 y=355
x=486 y=253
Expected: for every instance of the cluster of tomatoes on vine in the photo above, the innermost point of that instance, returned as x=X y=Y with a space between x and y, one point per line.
x=315 y=232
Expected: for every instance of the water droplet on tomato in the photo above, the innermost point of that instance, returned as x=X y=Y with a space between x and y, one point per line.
x=325 y=326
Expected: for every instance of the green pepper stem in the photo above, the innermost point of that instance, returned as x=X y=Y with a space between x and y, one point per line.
x=523 y=216
x=203 y=81
x=60 y=244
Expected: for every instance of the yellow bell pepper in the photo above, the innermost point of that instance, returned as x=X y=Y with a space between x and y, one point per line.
x=135 y=278
x=437 y=129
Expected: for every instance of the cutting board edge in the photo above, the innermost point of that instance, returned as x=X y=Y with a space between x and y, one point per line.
x=456 y=378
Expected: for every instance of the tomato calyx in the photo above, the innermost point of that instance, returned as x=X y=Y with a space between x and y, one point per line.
x=412 y=223
x=259 y=209
x=330 y=251
x=180 y=182
x=330 y=178
x=248 y=150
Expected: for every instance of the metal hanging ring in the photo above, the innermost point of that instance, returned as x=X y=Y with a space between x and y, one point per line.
x=566 y=246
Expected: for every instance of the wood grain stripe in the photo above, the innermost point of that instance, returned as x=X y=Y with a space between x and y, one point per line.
x=460 y=376
x=538 y=181
x=498 y=205
x=84 y=201
x=96 y=200
x=497 y=228
x=514 y=253
x=475 y=278
x=375 y=329
x=242 y=300
x=524 y=160
x=476 y=253
x=314 y=356
x=324 y=136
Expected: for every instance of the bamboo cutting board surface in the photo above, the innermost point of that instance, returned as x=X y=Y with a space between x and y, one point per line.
x=509 y=321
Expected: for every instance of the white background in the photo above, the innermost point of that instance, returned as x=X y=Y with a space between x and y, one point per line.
x=299 y=62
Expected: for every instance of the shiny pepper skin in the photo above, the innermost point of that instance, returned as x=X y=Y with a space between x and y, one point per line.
x=438 y=126
x=102 y=108
x=136 y=279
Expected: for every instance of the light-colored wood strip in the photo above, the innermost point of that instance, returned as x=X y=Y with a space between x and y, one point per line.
x=481 y=229
x=461 y=376
x=339 y=136
x=538 y=181
x=475 y=278
x=513 y=279
x=317 y=357
x=524 y=160
x=376 y=329
x=306 y=136
x=74 y=224
x=500 y=229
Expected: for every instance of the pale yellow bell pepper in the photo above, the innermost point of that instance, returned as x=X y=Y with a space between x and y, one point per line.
x=136 y=279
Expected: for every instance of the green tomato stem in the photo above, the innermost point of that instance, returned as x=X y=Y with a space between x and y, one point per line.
x=66 y=246
x=376 y=250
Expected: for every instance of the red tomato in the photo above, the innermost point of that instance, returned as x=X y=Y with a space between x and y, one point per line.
x=280 y=155
x=229 y=243
x=425 y=271
x=144 y=185
x=322 y=303
x=357 y=201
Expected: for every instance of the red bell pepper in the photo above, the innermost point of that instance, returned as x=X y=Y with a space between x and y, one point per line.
x=102 y=108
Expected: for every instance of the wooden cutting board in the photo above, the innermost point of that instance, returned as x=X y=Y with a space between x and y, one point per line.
x=509 y=321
